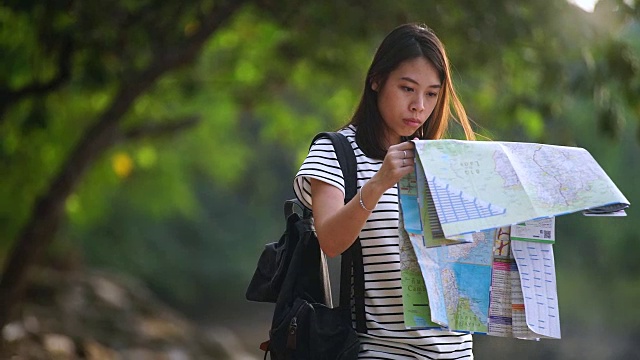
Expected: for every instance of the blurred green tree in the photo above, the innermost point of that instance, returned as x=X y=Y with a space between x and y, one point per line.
x=81 y=80
x=74 y=71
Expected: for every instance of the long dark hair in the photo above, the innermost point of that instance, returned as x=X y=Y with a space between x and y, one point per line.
x=406 y=42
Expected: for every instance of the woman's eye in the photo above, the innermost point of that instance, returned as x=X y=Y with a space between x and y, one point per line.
x=432 y=94
x=406 y=88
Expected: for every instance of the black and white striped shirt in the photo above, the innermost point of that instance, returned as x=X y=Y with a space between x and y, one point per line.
x=387 y=337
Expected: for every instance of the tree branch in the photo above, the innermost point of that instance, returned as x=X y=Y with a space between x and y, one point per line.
x=8 y=96
x=156 y=129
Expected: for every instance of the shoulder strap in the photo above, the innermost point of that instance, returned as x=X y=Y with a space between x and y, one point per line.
x=352 y=257
x=347 y=160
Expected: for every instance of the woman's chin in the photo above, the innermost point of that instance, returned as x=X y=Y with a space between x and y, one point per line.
x=410 y=134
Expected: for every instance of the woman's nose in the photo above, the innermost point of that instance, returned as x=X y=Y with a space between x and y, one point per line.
x=417 y=105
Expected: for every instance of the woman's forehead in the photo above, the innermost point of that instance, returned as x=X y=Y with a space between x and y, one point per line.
x=417 y=70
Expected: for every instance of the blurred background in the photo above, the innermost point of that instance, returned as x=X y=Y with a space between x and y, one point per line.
x=146 y=148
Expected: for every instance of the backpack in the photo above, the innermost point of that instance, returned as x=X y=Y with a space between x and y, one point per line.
x=293 y=274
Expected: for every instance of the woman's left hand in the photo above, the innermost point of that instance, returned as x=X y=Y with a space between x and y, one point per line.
x=398 y=162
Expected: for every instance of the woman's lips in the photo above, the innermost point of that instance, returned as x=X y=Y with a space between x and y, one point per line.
x=412 y=122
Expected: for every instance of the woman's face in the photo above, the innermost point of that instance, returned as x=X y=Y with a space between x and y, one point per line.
x=407 y=98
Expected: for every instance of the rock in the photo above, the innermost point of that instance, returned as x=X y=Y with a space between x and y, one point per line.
x=59 y=346
x=102 y=316
x=93 y=350
x=110 y=293
x=13 y=332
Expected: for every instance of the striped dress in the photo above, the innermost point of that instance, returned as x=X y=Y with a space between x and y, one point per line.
x=387 y=337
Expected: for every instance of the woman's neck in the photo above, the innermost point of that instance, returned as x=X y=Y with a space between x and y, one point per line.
x=391 y=140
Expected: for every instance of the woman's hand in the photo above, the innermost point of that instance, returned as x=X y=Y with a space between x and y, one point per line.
x=338 y=225
x=398 y=162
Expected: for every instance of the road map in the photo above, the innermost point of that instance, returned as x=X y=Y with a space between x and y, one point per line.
x=493 y=285
x=477 y=228
x=479 y=185
x=444 y=287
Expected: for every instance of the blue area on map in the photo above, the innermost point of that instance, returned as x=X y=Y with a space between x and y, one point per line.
x=411 y=214
x=474 y=282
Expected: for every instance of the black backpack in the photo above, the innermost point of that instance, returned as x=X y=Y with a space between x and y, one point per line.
x=293 y=274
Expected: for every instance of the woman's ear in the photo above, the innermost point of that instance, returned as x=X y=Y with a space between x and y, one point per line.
x=375 y=85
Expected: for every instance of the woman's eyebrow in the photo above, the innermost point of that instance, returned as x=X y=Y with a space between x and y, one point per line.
x=405 y=78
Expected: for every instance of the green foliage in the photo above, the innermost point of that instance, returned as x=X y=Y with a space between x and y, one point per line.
x=188 y=213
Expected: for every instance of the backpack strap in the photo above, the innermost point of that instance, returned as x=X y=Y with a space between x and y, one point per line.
x=290 y=207
x=347 y=160
x=351 y=259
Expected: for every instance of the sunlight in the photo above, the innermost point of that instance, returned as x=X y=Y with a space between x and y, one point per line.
x=586 y=5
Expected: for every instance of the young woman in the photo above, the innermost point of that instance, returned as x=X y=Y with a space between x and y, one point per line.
x=408 y=93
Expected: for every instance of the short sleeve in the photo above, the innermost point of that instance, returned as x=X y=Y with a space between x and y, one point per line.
x=321 y=164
